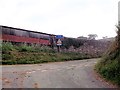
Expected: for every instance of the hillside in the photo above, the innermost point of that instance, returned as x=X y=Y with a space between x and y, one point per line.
x=109 y=66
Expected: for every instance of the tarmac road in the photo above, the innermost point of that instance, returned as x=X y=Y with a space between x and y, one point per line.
x=69 y=74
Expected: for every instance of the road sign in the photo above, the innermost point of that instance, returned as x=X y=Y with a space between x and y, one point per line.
x=59 y=36
x=59 y=42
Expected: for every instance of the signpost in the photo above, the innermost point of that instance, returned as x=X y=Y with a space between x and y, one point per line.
x=59 y=36
x=59 y=42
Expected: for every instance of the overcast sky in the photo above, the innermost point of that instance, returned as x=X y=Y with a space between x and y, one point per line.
x=71 y=18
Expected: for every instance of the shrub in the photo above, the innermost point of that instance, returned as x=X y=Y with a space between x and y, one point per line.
x=7 y=56
x=110 y=71
x=6 y=47
x=25 y=48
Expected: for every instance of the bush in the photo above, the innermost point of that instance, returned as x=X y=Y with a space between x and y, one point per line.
x=110 y=71
x=25 y=48
x=0 y=47
x=45 y=49
x=6 y=47
x=9 y=62
x=7 y=56
x=72 y=42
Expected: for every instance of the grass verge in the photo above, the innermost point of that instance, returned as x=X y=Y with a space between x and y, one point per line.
x=23 y=54
x=109 y=66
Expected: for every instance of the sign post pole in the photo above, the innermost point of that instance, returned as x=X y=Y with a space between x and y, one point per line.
x=58 y=48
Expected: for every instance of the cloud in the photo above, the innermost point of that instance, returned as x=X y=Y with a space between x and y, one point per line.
x=71 y=18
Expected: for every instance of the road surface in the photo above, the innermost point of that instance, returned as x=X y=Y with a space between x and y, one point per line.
x=69 y=74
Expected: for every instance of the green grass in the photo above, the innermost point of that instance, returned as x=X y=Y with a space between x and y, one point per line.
x=110 y=71
x=24 y=54
x=41 y=57
x=109 y=67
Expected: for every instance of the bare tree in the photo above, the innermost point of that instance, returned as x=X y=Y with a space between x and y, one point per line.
x=105 y=37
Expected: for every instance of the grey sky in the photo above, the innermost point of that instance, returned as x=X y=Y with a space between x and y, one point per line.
x=71 y=18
